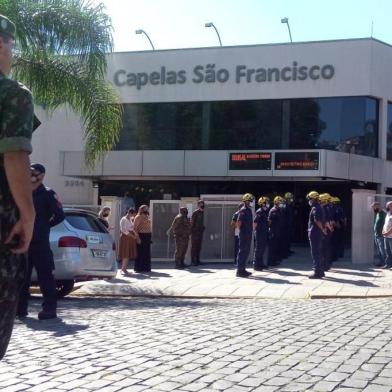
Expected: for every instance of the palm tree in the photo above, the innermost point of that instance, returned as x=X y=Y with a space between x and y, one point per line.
x=61 y=56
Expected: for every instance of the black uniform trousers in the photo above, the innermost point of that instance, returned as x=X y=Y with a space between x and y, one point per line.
x=143 y=258
x=261 y=245
x=41 y=258
x=274 y=251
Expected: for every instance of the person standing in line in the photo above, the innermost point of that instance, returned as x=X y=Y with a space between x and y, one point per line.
x=233 y=225
x=329 y=226
x=103 y=216
x=275 y=229
x=127 y=243
x=144 y=229
x=197 y=230
x=341 y=224
x=16 y=199
x=49 y=213
x=289 y=230
x=379 y=220
x=316 y=232
x=181 y=228
x=387 y=233
x=260 y=227
x=245 y=227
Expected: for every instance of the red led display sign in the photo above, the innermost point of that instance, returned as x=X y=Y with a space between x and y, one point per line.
x=250 y=161
x=297 y=160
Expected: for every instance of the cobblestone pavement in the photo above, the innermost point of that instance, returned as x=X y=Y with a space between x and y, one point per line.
x=203 y=345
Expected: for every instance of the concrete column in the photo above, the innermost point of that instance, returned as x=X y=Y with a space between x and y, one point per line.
x=362 y=244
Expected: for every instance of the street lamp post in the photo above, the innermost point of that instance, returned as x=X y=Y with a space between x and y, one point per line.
x=141 y=31
x=286 y=21
x=210 y=24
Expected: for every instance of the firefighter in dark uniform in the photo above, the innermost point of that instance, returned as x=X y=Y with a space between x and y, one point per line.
x=329 y=225
x=233 y=225
x=245 y=226
x=275 y=220
x=289 y=222
x=260 y=227
x=49 y=213
x=181 y=228
x=197 y=230
x=341 y=222
x=16 y=203
x=316 y=232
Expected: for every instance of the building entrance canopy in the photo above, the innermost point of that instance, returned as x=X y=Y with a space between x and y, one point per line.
x=226 y=165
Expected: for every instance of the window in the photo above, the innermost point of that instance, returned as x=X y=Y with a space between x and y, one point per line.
x=389 y=132
x=348 y=124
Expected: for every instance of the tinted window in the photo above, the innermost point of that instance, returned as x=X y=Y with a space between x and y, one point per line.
x=84 y=222
x=389 y=133
x=348 y=124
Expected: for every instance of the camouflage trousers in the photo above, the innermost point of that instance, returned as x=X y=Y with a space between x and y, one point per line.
x=197 y=240
x=181 y=248
x=12 y=275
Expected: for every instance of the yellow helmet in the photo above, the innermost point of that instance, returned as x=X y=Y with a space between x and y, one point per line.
x=247 y=197
x=288 y=195
x=278 y=199
x=325 y=197
x=262 y=200
x=335 y=200
x=313 y=195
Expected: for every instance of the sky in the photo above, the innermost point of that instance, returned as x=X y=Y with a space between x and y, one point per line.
x=180 y=23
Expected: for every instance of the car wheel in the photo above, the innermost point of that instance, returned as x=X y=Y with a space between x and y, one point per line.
x=64 y=287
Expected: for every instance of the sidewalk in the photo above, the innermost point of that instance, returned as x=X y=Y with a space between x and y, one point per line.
x=288 y=281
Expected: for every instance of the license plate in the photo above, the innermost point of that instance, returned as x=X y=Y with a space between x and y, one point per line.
x=99 y=253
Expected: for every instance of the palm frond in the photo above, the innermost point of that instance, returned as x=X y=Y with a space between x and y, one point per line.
x=64 y=27
x=57 y=80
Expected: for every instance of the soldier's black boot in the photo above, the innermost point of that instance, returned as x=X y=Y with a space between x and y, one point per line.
x=47 y=315
x=179 y=265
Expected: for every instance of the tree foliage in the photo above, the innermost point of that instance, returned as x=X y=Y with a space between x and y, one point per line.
x=62 y=48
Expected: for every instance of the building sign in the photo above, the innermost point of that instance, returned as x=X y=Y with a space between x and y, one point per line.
x=213 y=74
x=250 y=161
x=297 y=160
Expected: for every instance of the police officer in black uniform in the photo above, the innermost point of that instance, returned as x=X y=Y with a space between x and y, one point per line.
x=49 y=212
x=245 y=226
x=316 y=233
x=260 y=226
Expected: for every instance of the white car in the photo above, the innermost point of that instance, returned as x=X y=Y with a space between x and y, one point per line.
x=82 y=250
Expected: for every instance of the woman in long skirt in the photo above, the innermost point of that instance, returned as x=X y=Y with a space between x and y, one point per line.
x=127 y=245
x=142 y=226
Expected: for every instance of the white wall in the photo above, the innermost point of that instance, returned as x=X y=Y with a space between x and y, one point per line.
x=61 y=131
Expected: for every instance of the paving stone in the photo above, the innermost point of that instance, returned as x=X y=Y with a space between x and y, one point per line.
x=187 y=345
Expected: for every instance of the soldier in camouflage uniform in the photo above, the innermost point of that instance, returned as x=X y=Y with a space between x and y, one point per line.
x=197 y=230
x=16 y=205
x=181 y=228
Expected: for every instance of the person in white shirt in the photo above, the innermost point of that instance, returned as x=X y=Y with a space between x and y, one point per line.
x=387 y=233
x=127 y=245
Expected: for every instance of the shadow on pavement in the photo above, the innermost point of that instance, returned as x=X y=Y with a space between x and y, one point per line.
x=362 y=283
x=272 y=280
x=58 y=326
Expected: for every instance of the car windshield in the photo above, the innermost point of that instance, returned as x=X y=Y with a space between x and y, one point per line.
x=84 y=222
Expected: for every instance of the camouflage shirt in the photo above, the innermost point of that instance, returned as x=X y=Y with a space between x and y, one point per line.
x=16 y=116
x=16 y=122
x=198 y=221
x=181 y=226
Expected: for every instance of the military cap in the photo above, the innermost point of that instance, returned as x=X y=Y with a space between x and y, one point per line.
x=7 y=27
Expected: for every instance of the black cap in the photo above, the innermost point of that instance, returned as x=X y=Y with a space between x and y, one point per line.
x=38 y=167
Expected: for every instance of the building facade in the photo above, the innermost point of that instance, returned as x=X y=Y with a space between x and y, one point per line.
x=263 y=119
